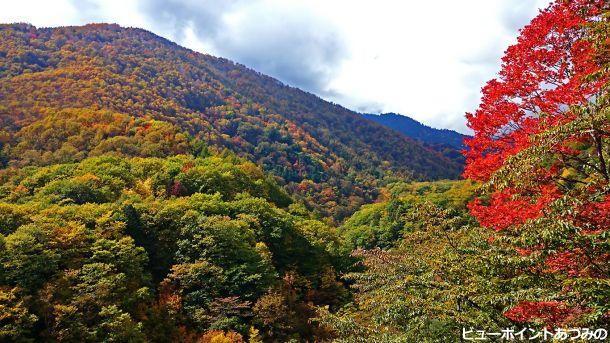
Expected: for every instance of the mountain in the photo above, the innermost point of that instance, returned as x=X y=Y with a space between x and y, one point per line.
x=418 y=131
x=69 y=93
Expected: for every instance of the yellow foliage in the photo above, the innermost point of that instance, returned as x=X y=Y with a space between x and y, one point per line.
x=217 y=336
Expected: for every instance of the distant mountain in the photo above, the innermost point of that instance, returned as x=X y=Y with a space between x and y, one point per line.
x=68 y=93
x=418 y=131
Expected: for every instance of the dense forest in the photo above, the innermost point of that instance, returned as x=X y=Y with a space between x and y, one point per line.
x=160 y=249
x=447 y=142
x=418 y=131
x=326 y=155
x=149 y=193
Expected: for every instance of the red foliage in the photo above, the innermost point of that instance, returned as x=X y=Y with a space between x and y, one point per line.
x=571 y=262
x=596 y=214
x=177 y=189
x=552 y=313
x=507 y=207
x=542 y=73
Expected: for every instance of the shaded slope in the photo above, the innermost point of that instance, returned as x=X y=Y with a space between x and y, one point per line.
x=418 y=131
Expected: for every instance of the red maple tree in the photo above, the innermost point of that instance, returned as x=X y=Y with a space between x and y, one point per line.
x=540 y=147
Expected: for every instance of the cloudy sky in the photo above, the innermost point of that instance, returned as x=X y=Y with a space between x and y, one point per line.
x=425 y=59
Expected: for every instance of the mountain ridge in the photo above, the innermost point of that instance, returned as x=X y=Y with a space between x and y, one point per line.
x=325 y=154
x=418 y=130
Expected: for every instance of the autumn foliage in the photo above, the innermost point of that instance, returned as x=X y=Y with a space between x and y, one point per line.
x=541 y=148
x=152 y=194
x=105 y=250
x=326 y=155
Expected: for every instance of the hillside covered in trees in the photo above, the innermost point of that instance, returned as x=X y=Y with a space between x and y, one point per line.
x=447 y=142
x=149 y=193
x=323 y=153
x=160 y=249
x=418 y=131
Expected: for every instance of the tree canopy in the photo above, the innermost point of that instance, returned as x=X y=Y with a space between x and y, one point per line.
x=159 y=249
x=541 y=148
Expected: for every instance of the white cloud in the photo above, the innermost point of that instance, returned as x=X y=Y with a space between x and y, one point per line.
x=425 y=59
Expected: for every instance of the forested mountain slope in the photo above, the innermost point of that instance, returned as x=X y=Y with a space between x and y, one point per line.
x=448 y=142
x=418 y=131
x=52 y=78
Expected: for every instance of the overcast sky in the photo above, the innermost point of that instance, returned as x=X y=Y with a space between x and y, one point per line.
x=425 y=59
